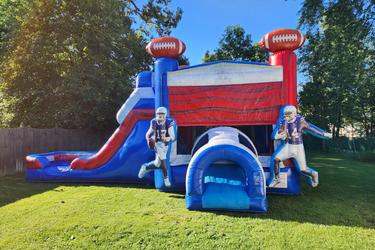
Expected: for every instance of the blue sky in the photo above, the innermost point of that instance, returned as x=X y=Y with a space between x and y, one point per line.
x=204 y=21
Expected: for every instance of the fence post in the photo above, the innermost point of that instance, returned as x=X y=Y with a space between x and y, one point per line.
x=330 y=150
x=355 y=150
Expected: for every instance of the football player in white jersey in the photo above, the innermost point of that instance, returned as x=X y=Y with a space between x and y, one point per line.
x=290 y=130
x=161 y=132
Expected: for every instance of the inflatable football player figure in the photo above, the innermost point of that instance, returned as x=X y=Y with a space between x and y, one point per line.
x=289 y=129
x=160 y=134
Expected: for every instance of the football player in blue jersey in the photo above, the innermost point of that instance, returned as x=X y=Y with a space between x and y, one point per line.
x=159 y=135
x=290 y=130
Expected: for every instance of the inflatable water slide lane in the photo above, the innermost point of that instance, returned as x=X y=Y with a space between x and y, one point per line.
x=118 y=160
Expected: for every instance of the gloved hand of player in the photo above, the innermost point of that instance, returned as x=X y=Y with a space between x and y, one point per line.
x=328 y=135
x=280 y=135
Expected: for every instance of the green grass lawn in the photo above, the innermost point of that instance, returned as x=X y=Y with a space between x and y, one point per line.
x=338 y=214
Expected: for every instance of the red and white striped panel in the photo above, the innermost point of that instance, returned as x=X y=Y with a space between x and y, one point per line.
x=226 y=94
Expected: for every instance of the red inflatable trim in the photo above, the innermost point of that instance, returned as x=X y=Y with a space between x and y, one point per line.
x=33 y=163
x=115 y=141
x=288 y=60
x=226 y=105
x=69 y=157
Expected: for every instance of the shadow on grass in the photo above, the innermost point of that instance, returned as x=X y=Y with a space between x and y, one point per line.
x=13 y=187
x=345 y=195
x=177 y=195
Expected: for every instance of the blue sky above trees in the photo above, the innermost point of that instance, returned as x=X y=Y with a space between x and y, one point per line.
x=203 y=22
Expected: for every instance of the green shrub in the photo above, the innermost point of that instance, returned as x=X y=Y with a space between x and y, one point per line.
x=366 y=156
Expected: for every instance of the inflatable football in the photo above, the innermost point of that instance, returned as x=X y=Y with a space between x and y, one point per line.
x=166 y=47
x=282 y=39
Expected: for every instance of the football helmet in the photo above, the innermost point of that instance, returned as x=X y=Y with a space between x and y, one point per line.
x=289 y=113
x=161 y=114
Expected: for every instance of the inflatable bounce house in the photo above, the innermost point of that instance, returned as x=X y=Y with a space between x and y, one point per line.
x=225 y=167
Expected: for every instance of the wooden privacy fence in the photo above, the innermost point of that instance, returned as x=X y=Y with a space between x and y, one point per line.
x=17 y=143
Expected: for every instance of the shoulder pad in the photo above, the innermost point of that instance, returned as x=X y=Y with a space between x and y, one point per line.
x=301 y=118
x=170 y=123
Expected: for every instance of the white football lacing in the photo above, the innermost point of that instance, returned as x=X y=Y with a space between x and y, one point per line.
x=168 y=45
x=284 y=38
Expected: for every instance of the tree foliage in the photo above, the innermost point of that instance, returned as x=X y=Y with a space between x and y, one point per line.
x=183 y=60
x=72 y=63
x=11 y=13
x=235 y=45
x=154 y=15
x=339 y=63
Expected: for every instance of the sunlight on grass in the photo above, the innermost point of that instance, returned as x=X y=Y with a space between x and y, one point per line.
x=335 y=215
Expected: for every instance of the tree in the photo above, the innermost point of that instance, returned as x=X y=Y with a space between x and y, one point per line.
x=235 y=45
x=72 y=63
x=154 y=15
x=183 y=60
x=11 y=13
x=338 y=61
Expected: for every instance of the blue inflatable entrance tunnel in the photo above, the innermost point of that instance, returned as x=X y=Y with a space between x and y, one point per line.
x=225 y=174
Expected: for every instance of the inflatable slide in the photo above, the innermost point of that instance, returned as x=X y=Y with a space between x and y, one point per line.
x=117 y=159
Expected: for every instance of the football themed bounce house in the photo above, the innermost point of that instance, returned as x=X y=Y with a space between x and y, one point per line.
x=254 y=147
